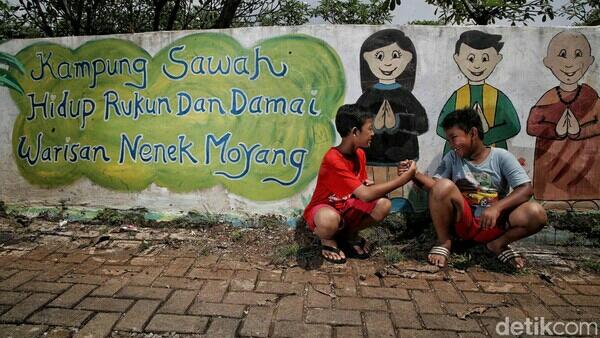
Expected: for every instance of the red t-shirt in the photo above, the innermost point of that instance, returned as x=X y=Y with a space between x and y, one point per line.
x=339 y=176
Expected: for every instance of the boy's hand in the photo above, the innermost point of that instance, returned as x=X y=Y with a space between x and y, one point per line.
x=488 y=217
x=368 y=182
x=407 y=167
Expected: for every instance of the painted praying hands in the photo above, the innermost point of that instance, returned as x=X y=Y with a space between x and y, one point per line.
x=567 y=124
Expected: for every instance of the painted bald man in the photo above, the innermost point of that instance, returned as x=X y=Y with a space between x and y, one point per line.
x=566 y=124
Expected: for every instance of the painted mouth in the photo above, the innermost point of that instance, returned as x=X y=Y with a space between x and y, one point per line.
x=387 y=73
x=568 y=74
x=476 y=73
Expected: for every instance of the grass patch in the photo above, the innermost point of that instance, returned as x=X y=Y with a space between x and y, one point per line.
x=236 y=235
x=283 y=253
x=592 y=265
x=392 y=254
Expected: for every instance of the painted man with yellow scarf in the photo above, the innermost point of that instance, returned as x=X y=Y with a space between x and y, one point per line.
x=477 y=54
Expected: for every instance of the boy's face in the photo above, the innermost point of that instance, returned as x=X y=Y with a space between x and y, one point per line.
x=364 y=136
x=461 y=141
x=569 y=57
x=477 y=64
x=387 y=63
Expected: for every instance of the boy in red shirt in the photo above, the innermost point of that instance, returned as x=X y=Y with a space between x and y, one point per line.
x=345 y=201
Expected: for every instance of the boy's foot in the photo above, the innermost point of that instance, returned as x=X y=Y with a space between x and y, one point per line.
x=359 y=247
x=438 y=256
x=507 y=255
x=331 y=253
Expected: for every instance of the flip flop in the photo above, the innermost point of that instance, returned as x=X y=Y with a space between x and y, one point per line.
x=334 y=250
x=440 y=251
x=361 y=242
x=506 y=256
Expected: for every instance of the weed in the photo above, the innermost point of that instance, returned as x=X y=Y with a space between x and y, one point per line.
x=283 y=253
x=592 y=265
x=236 y=235
x=392 y=254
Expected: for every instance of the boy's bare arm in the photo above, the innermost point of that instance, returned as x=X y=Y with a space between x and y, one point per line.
x=424 y=181
x=518 y=196
x=372 y=192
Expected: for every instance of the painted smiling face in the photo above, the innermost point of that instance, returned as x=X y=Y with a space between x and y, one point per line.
x=477 y=64
x=569 y=57
x=387 y=63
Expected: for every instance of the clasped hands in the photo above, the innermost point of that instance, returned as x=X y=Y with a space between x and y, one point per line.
x=407 y=167
x=567 y=124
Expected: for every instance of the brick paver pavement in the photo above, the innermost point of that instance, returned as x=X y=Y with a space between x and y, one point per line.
x=54 y=290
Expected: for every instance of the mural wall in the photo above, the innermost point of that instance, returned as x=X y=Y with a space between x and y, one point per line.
x=238 y=120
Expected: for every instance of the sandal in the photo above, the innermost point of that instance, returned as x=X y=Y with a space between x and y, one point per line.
x=507 y=255
x=362 y=243
x=440 y=251
x=334 y=250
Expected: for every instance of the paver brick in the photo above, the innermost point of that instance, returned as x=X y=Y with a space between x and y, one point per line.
x=333 y=317
x=410 y=333
x=83 y=279
x=279 y=287
x=488 y=311
x=318 y=295
x=217 y=309
x=592 y=290
x=179 y=267
x=5 y=273
x=11 y=298
x=379 y=324
x=179 y=302
x=73 y=295
x=201 y=273
x=26 y=307
x=137 y=316
x=301 y=276
x=301 y=330
x=582 y=300
x=249 y=298
x=502 y=287
x=546 y=294
x=17 y=279
x=241 y=285
x=358 y=303
x=349 y=331
x=222 y=327
x=47 y=287
x=405 y=283
x=404 y=314
x=22 y=330
x=213 y=291
x=290 y=308
x=146 y=276
x=485 y=298
x=427 y=302
x=104 y=304
x=150 y=261
x=60 y=317
x=100 y=326
x=274 y=276
x=52 y=275
x=177 y=323
x=178 y=283
x=446 y=292
x=382 y=292
x=257 y=321
x=111 y=287
x=142 y=292
x=447 y=322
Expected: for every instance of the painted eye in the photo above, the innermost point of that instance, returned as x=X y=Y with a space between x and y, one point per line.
x=485 y=58
x=471 y=58
x=562 y=53
x=379 y=56
x=578 y=53
x=396 y=54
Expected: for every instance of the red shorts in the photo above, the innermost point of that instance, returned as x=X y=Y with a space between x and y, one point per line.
x=352 y=212
x=468 y=227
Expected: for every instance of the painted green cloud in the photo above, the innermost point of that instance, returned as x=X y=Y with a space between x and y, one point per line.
x=201 y=142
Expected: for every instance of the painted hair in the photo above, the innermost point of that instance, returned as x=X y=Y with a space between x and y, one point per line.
x=350 y=116
x=479 y=40
x=381 y=39
x=465 y=120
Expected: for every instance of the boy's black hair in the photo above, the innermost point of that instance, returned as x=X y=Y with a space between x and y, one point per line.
x=464 y=119
x=349 y=116
x=479 y=40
